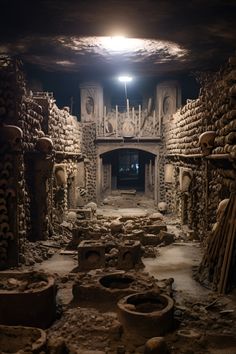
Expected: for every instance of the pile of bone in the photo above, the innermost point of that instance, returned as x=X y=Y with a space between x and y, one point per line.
x=35 y=252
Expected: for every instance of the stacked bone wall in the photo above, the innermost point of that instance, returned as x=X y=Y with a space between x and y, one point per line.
x=64 y=130
x=26 y=181
x=89 y=150
x=220 y=93
x=181 y=132
x=66 y=134
x=184 y=128
x=13 y=205
x=213 y=177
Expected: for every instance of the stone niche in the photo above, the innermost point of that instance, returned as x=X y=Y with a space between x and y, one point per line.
x=169 y=173
x=168 y=98
x=91 y=97
x=60 y=174
x=185 y=178
x=80 y=184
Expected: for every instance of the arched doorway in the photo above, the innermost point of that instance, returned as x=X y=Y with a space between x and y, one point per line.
x=128 y=168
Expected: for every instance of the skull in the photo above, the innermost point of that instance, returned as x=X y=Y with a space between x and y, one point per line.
x=162 y=206
x=44 y=145
x=67 y=109
x=206 y=141
x=12 y=135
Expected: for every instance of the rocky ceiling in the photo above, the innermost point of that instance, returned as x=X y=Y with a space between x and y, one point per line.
x=162 y=36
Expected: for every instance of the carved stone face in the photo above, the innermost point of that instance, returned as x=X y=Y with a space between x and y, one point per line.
x=167 y=105
x=89 y=105
x=206 y=141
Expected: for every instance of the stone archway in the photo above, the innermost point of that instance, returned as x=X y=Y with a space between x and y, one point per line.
x=149 y=153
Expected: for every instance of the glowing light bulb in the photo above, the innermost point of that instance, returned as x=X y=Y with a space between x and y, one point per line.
x=125 y=78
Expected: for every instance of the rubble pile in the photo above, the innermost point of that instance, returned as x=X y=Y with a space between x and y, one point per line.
x=22 y=285
x=150 y=230
x=35 y=252
x=207 y=325
x=86 y=329
x=39 y=251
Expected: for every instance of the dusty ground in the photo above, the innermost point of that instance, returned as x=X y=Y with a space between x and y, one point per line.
x=204 y=321
x=212 y=329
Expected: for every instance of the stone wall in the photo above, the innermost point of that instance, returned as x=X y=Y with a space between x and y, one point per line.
x=35 y=136
x=184 y=128
x=66 y=134
x=20 y=122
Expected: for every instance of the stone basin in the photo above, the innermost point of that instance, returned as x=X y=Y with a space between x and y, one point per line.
x=27 y=299
x=145 y=315
x=18 y=339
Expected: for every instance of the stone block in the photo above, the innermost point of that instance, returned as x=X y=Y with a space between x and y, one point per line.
x=129 y=255
x=91 y=255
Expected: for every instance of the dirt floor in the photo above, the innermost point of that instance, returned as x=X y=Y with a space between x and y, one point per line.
x=204 y=322
x=200 y=329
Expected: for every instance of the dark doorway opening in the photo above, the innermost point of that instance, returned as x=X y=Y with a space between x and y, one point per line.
x=128 y=168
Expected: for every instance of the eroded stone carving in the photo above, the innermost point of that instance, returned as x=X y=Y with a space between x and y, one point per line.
x=60 y=174
x=44 y=145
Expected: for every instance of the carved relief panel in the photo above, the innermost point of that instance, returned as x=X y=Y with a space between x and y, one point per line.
x=91 y=96
x=168 y=98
